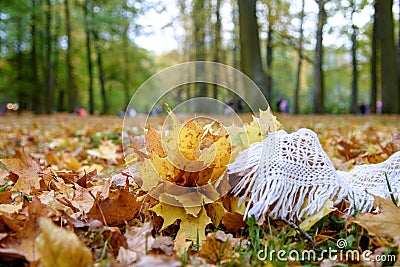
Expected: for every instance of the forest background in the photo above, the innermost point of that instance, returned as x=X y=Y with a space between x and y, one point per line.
x=323 y=56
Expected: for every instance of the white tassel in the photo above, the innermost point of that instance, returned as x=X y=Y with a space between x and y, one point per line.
x=289 y=176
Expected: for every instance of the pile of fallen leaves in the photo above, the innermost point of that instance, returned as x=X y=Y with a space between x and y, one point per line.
x=68 y=198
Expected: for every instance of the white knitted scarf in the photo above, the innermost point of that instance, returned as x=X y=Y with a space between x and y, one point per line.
x=289 y=176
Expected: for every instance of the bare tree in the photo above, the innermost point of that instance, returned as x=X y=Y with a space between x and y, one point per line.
x=318 y=96
x=250 y=43
x=354 y=83
x=49 y=93
x=89 y=53
x=73 y=100
x=374 y=82
x=386 y=44
x=300 y=60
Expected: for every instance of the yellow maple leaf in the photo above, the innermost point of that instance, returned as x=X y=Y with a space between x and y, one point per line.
x=66 y=250
x=186 y=179
x=193 y=227
x=309 y=221
x=257 y=129
x=149 y=175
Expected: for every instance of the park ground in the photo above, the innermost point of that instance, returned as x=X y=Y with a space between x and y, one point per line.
x=65 y=143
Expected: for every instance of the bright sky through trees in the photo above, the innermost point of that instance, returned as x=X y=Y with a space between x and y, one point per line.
x=163 y=29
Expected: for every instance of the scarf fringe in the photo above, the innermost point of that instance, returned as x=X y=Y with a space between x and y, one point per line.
x=284 y=194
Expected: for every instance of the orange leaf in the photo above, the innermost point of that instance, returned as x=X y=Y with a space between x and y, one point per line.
x=22 y=243
x=27 y=170
x=233 y=221
x=117 y=210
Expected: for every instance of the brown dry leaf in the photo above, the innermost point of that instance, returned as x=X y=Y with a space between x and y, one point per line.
x=153 y=143
x=5 y=197
x=158 y=260
x=233 y=221
x=116 y=239
x=116 y=211
x=87 y=176
x=216 y=212
x=51 y=200
x=3 y=176
x=216 y=248
x=82 y=198
x=385 y=224
x=138 y=145
x=10 y=208
x=59 y=247
x=138 y=240
x=181 y=246
x=27 y=170
x=163 y=245
x=126 y=257
x=22 y=243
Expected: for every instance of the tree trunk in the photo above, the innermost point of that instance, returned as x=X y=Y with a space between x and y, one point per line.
x=37 y=94
x=300 y=61
x=398 y=51
x=101 y=72
x=49 y=94
x=19 y=65
x=58 y=90
x=374 y=82
x=354 y=83
x=389 y=79
x=318 y=97
x=217 y=43
x=269 y=55
x=73 y=101
x=199 y=19
x=236 y=40
x=89 y=53
x=250 y=44
x=125 y=53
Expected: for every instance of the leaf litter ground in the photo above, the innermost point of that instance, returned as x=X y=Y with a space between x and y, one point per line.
x=70 y=182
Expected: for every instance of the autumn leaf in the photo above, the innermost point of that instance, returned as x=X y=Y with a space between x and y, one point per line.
x=216 y=248
x=258 y=129
x=66 y=250
x=22 y=243
x=153 y=143
x=139 y=239
x=27 y=170
x=193 y=227
x=163 y=245
x=309 y=221
x=385 y=224
x=233 y=221
x=215 y=211
x=116 y=211
x=181 y=246
x=107 y=150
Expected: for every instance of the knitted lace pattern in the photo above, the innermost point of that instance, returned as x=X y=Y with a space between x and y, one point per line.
x=289 y=176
